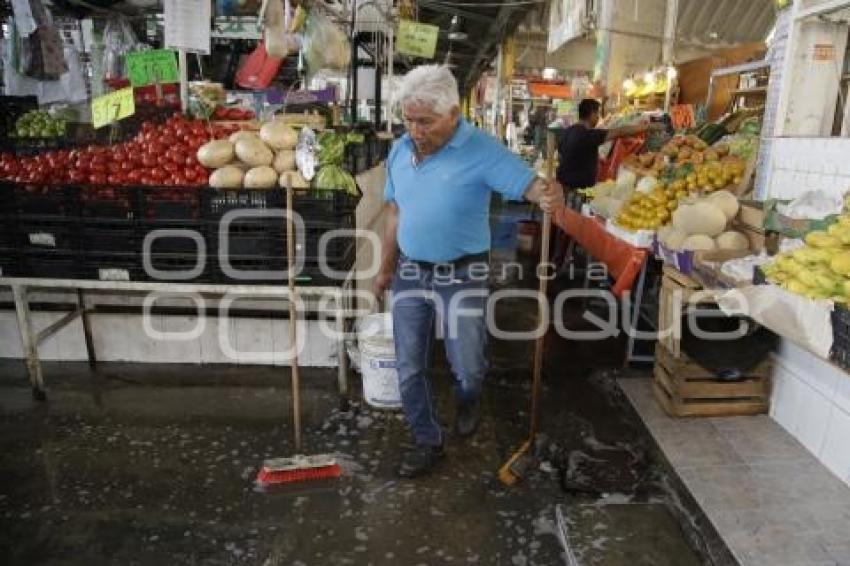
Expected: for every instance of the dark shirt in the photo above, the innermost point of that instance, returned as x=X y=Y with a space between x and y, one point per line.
x=578 y=151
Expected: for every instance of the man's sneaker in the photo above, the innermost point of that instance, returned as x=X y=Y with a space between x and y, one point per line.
x=419 y=461
x=468 y=414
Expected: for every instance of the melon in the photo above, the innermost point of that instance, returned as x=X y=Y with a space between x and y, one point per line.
x=725 y=201
x=733 y=241
x=698 y=242
x=700 y=218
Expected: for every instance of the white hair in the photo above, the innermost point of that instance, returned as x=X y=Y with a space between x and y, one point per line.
x=430 y=85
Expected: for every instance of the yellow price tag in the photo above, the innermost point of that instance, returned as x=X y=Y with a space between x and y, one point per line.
x=112 y=107
x=417 y=39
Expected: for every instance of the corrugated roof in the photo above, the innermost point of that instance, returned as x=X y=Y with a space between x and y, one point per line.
x=718 y=23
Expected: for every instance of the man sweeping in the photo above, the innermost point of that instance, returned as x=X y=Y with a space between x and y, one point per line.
x=440 y=177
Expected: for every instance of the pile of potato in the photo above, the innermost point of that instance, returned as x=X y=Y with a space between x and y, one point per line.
x=254 y=160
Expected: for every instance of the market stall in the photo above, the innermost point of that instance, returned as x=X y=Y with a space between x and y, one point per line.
x=114 y=190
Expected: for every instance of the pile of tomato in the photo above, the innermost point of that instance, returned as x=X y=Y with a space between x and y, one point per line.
x=160 y=154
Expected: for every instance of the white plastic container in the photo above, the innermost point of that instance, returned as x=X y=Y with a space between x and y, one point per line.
x=377 y=361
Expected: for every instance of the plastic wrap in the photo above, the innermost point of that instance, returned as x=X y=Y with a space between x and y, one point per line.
x=324 y=44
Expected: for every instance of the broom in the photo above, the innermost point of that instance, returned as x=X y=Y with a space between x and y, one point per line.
x=299 y=467
x=519 y=463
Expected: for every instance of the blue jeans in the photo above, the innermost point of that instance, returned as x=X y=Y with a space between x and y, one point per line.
x=456 y=303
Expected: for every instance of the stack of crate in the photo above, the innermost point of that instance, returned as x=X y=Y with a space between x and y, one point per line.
x=683 y=387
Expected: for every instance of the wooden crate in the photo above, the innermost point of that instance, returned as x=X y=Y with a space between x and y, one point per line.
x=685 y=389
x=677 y=291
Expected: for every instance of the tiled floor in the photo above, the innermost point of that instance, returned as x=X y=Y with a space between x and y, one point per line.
x=770 y=499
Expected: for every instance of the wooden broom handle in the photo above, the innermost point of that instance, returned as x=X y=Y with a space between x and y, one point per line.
x=542 y=289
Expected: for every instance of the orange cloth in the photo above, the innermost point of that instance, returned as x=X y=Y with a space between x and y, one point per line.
x=623 y=260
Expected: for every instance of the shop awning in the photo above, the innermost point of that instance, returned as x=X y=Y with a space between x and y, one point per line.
x=538 y=90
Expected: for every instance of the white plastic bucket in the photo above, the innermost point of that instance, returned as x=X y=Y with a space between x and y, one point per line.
x=377 y=361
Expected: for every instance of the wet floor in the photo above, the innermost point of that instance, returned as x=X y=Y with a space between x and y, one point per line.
x=139 y=465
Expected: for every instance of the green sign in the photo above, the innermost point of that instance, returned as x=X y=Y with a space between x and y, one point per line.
x=112 y=107
x=152 y=66
x=419 y=40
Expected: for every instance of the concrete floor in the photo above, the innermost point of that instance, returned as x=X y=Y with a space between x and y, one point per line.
x=138 y=465
x=769 y=498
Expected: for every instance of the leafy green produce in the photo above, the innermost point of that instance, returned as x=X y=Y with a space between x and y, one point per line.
x=334 y=177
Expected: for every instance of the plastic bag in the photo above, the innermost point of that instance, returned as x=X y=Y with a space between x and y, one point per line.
x=324 y=44
x=118 y=40
x=305 y=153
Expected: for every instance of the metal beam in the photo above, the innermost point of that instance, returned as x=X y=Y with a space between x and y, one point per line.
x=466 y=14
x=824 y=7
x=493 y=35
x=747 y=19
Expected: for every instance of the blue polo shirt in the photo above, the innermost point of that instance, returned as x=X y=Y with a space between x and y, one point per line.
x=444 y=201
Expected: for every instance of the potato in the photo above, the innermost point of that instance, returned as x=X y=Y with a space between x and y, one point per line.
x=215 y=154
x=228 y=177
x=284 y=160
x=242 y=135
x=279 y=135
x=263 y=177
x=254 y=152
x=293 y=179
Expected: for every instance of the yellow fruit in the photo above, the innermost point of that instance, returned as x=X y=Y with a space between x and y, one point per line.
x=844 y=220
x=797 y=287
x=834 y=229
x=807 y=278
x=847 y=288
x=821 y=239
x=840 y=264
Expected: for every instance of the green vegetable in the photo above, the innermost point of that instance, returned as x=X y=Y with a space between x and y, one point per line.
x=333 y=177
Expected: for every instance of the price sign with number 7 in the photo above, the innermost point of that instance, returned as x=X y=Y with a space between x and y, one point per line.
x=112 y=107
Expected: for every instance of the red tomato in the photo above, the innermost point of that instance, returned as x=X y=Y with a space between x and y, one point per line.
x=113 y=167
x=78 y=176
x=127 y=165
x=97 y=179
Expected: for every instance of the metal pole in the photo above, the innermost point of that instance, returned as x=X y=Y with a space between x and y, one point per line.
x=184 y=79
x=390 y=63
x=497 y=98
x=668 y=47
x=29 y=341
x=355 y=48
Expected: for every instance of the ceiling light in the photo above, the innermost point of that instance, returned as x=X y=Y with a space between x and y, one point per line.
x=649 y=77
x=629 y=85
x=672 y=73
x=455 y=33
x=549 y=73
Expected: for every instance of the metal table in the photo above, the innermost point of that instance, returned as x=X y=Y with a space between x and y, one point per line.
x=341 y=308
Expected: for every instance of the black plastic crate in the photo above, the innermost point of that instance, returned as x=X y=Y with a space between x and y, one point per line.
x=183 y=268
x=105 y=237
x=48 y=235
x=11 y=263
x=271 y=270
x=58 y=265
x=170 y=237
x=170 y=203
x=323 y=205
x=41 y=199
x=113 y=267
x=109 y=202
x=8 y=231
x=840 y=352
x=218 y=202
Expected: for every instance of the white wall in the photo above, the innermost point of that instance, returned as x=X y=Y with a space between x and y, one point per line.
x=811 y=398
x=122 y=338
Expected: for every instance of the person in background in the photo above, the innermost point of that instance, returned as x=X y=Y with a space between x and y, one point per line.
x=578 y=145
x=435 y=255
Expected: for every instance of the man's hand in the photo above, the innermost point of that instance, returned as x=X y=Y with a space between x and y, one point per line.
x=381 y=285
x=552 y=197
